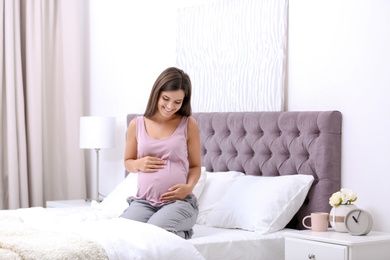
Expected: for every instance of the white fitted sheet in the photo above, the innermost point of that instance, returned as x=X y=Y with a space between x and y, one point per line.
x=230 y=244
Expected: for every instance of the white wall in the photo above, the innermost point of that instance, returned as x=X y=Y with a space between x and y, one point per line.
x=337 y=59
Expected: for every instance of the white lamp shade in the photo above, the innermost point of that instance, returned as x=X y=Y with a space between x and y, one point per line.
x=97 y=132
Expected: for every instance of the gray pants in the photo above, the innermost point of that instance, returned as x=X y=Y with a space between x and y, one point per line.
x=178 y=216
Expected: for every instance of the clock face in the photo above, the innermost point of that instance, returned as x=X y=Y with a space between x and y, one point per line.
x=358 y=222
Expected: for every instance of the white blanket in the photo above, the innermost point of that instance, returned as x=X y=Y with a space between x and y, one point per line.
x=90 y=231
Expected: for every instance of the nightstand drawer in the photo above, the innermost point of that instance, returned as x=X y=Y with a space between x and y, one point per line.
x=299 y=249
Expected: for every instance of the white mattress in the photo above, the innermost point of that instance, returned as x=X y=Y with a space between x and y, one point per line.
x=229 y=244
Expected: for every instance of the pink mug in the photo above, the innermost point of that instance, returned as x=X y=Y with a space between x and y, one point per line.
x=319 y=221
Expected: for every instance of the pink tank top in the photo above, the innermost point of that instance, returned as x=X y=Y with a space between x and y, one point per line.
x=173 y=150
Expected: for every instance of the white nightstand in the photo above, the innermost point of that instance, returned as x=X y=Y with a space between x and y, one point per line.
x=333 y=245
x=67 y=203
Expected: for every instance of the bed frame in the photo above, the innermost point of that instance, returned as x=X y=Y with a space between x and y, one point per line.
x=273 y=144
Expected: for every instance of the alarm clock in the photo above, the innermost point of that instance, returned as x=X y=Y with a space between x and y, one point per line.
x=358 y=222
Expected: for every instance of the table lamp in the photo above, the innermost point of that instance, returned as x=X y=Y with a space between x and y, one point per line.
x=97 y=133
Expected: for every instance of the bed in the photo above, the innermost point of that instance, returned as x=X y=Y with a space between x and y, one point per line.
x=262 y=173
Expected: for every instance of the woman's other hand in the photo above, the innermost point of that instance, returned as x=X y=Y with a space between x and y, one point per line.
x=177 y=192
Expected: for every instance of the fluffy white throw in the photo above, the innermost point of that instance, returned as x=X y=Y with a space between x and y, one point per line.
x=19 y=241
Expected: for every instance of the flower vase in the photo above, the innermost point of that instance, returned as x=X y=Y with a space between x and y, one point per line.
x=337 y=216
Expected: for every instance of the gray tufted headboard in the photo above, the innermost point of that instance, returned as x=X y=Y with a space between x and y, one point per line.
x=276 y=143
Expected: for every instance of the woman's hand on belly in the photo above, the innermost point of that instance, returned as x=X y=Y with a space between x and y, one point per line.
x=150 y=164
x=177 y=192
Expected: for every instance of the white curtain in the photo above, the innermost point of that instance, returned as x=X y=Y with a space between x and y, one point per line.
x=42 y=80
x=235 y=54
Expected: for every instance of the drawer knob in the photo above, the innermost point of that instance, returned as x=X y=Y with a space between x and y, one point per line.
x=311 y=256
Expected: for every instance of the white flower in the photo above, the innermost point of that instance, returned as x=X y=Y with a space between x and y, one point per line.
x=344 y=196
x=348 y=196
x=335 y=199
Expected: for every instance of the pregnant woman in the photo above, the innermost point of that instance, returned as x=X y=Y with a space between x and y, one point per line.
x=163 y=148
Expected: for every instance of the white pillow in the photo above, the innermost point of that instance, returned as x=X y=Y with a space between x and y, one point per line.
x=261 y=204
x=217 y=184
x=115 y=202
x=198 y=189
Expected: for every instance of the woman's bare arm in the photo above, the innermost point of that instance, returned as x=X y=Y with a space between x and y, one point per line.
x=193 y=144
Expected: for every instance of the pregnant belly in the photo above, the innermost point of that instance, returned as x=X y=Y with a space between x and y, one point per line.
x=152 y=185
